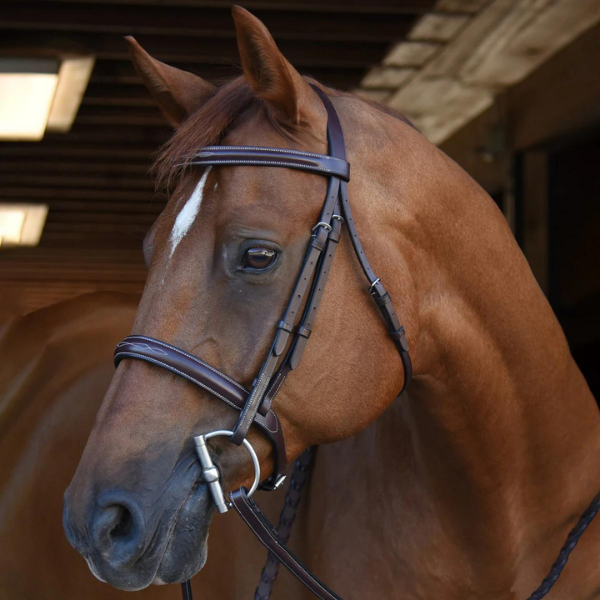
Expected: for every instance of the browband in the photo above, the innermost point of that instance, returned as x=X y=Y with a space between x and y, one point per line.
x=258 y=156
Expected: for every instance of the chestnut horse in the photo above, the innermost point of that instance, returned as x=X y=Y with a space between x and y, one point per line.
x=463 y=487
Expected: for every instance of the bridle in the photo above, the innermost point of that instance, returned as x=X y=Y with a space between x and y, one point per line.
x=293 y=331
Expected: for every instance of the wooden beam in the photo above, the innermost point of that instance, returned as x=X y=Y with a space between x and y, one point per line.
x=74 y=220
x=47 y=194
x=123 y=73
x=562 y=96
x=114 y=72
x=16 y=165
x=203 y=50
x=336 y=6
x=117 y=206
x=123 y=134
x=205 y=22
x=118 y=94
x=143 y=116
x=62 y=180
x=76 y=150
x=92 y=240
x=501 y=45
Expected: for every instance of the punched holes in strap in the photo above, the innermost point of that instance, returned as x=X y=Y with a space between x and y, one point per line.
x=317 y=244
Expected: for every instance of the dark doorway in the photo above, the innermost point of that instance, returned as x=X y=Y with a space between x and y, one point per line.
x=574 y=248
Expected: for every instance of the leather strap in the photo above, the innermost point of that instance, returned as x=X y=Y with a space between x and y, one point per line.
x=266 y=534
x=205 y=376
x=186 y=590
x=259 y=156
x=318 y=242
x=381 y=296
x=298 y=480
x=304 y=328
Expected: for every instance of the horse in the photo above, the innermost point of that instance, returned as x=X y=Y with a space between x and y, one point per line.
x=465 y=486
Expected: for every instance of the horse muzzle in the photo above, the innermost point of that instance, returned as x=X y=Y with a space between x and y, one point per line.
x=130 y=544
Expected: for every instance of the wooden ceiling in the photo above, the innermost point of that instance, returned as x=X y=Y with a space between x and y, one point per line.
x=95 y=178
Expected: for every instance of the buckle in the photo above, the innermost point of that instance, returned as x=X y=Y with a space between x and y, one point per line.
x=326 y=226
x=210 y=472
x=373 y=284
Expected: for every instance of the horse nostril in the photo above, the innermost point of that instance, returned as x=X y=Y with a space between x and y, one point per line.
x=117 y=530
x=123 y=523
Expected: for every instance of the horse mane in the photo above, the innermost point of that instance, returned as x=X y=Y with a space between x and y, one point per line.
x=229 y=104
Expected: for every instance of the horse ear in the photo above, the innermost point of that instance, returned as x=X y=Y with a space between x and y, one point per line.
x=270 y=75
x=177 y=92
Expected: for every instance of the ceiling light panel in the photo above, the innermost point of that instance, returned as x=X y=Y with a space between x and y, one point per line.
x=27 y=89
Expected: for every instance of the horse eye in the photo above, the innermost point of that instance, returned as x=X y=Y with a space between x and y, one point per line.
x=259 y=258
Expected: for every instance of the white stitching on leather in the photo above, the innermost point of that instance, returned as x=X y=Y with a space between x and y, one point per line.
x=258 y=162
x=265 y=149
x=174 y=370
x=276 y=421
x=278 y=388
x=202 y=385
x=250 y=401
x=194 y=358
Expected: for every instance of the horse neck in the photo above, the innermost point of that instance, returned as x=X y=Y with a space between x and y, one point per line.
x=498 y=419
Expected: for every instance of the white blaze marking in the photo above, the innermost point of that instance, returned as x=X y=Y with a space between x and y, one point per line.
x=185 y=219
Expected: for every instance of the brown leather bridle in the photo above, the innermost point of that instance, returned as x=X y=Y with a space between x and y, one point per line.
x=293 y=331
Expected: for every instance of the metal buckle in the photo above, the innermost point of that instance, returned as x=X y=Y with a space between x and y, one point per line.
x=374 y=284
x=327 y=226
x=211 y=474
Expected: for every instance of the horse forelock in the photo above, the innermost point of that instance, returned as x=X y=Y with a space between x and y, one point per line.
x=206 y=127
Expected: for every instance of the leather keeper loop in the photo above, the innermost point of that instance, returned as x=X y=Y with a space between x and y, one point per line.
x=377 y=290
x=334 y=236
x=400 y=336
x=303 y=331
x=318 y=244
x=384 y=300
x=285 y=326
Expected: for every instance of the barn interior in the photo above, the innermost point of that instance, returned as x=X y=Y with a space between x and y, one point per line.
x=507 y=88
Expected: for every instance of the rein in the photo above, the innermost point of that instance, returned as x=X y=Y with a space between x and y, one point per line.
x=293 y=331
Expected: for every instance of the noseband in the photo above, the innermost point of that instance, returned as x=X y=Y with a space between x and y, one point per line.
x=293 y=330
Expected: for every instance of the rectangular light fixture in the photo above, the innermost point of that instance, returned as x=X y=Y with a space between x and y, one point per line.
x=73 y=77
x=22 y=224
x=40 y=94
x=27 y=88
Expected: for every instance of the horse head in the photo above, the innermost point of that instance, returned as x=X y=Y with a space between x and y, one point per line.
x=223 y=258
